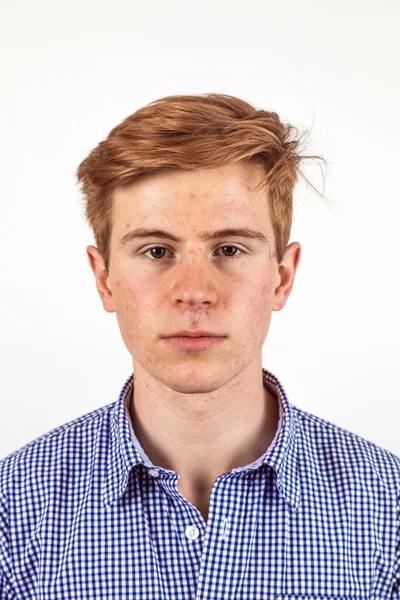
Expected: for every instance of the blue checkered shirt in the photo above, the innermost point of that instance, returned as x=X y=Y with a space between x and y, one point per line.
x=85 y=514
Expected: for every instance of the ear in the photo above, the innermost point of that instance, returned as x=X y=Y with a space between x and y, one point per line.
x=286 y=275
x=96 y=262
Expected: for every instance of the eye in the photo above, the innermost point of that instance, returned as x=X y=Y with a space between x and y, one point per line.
x=231 y=248
x=154 y=248
x=153 y=257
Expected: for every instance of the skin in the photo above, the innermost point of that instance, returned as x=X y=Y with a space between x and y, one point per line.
x=198 y=413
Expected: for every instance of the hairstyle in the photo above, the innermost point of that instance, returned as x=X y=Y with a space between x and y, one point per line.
x=191 y=132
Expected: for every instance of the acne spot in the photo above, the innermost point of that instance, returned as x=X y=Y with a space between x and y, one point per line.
x=193 y=195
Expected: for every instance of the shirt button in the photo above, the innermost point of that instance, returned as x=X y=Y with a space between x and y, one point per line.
x=192 y=532
x=153 y=473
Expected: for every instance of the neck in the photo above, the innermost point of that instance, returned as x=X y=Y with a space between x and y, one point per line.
x=203 y=435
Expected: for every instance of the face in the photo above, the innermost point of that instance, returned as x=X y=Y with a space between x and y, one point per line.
x=226 y=285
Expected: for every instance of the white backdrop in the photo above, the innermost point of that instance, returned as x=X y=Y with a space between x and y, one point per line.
x=70 y=71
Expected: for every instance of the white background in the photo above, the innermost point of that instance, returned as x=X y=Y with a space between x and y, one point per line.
x=70 y=71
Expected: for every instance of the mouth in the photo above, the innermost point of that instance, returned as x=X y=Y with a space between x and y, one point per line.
x=194 y=343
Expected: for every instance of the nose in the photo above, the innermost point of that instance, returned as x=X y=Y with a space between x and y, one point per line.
x=194 y=281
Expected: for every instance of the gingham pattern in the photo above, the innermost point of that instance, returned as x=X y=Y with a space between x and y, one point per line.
x=85 y=514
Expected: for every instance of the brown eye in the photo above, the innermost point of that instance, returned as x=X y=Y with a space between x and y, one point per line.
x=155 y=253
x=231 y=248
x=157 y=248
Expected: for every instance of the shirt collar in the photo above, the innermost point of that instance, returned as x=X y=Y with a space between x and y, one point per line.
x=281 y=455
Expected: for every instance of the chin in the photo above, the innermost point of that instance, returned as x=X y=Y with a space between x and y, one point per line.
x=190 y=378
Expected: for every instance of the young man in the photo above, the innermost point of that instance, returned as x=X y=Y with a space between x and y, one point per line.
x=202 y=480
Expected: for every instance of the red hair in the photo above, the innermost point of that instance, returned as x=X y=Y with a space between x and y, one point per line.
x=192 y=132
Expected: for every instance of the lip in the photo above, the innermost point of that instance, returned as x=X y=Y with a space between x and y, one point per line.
x=194 y=343
x=192 y=334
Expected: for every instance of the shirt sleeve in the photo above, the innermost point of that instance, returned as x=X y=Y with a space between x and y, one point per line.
x=6 y=592
x=396 y=585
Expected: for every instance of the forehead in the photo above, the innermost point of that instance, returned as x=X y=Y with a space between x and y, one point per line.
x=194 y=198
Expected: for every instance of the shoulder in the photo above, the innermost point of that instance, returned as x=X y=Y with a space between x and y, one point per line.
x=38 y=480
x=343 y=456
x=65 y=446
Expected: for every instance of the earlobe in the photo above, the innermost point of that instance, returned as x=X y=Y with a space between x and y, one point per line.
x=105 y=293
x=279 y=300
x=101 y=276
x=287 y=271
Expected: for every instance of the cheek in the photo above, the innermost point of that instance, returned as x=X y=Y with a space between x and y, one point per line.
x=265 y=298
x=256 y=295
x=267 y=291
x=135 y=310
x=127 y=297
x=136 y=304
x=253 y=306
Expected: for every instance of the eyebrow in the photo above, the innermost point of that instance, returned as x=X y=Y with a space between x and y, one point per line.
x=205 y=236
